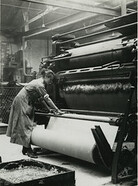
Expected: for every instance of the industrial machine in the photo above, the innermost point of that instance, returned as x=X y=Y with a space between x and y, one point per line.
x=96 y=87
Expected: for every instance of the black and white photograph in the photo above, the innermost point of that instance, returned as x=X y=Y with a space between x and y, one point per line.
x=68 y=92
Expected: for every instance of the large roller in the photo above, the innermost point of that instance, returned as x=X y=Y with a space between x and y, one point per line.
x=94 y=55
x=73 y=137
x=100 y=69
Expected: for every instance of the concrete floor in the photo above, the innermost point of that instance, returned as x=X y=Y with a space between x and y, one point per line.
x=86 y=174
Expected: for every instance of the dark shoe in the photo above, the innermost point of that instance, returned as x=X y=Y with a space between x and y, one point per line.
x=31 y=154
x=24 y=150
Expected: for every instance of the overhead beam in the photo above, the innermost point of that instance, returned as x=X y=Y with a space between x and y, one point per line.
x=57 y=25
x=88 y=2
x=76 y=6
x=49 y=23
x=48 y=10
x=20 y=7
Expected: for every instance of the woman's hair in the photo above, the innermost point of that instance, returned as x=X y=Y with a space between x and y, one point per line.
x=47 y=72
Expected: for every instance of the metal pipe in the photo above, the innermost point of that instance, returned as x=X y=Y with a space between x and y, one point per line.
x=93 y=112
x=88 y=118
x=96 y=24
x=102 y=32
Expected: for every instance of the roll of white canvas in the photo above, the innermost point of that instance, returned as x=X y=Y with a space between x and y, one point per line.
x=71 y=137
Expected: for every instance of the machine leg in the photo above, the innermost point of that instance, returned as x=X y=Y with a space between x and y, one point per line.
x=103 y=147
x=121 y=135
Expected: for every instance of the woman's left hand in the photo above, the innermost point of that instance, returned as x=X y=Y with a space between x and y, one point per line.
x=57 y=112
x=60 y=112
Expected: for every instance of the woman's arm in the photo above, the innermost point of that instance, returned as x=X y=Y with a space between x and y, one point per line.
x=52 y=105
x=50 y=102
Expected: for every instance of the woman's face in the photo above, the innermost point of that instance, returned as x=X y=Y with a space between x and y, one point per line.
x=49 y=79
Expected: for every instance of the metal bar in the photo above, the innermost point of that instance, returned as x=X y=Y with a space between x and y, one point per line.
x=102 y=32
x=93 y=112
x=109 y=120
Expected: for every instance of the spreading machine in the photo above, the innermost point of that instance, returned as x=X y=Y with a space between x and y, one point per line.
x=96 y=88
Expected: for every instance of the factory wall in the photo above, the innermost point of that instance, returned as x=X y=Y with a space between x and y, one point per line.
x=11 y=58
x=34 y=51
x=8 y=48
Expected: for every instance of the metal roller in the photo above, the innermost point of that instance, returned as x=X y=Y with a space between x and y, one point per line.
x=95 y=55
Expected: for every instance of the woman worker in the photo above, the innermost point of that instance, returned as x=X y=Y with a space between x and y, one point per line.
x=21 y=119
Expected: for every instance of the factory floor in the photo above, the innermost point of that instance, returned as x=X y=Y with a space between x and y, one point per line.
x=86 y=174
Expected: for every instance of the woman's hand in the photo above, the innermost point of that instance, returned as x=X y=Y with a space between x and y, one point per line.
x=60 y=112
x=57 y=112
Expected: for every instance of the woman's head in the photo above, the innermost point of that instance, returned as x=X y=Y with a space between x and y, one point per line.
x=48 y=76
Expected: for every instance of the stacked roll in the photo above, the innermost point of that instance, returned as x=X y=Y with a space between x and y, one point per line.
x=72 y=137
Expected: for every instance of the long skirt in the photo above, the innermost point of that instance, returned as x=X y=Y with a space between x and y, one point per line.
x=21 y=120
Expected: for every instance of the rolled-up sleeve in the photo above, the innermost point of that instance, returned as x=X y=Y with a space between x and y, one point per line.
x=42 y=91
x=46 y=96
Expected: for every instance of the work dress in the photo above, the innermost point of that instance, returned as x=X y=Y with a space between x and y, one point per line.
x=21 y=118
